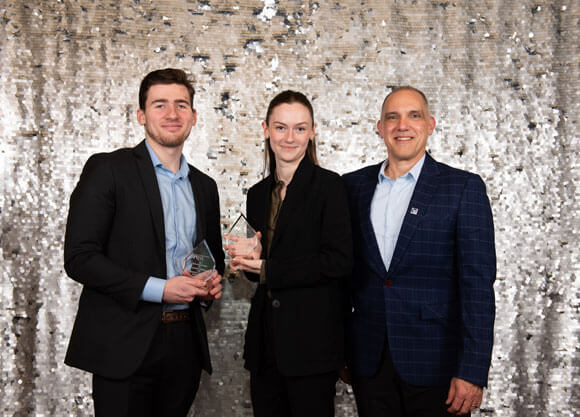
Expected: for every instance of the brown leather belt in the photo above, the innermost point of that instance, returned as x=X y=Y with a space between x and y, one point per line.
x=175 y=316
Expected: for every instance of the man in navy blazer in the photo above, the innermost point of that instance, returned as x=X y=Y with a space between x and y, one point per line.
x=421 y=325
x=134 y=216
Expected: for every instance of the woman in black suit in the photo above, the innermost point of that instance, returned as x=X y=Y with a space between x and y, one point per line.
x=294 y=340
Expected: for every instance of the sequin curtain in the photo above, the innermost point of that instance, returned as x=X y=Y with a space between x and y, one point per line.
x=502 y=78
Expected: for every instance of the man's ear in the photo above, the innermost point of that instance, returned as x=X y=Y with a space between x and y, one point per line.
x=432 y=124
x=141 y=117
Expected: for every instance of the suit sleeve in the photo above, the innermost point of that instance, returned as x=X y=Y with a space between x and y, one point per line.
x=477 y=269
x=214 y=236
x=254 y=200
x=334 y=258
x=90 y=219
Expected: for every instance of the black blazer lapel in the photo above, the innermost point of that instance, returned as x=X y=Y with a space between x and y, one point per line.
x=199 y=197
x=365 y=197
x=265 y=193
x=151 y=188
x=296 y=195
x=258 y=205
x=417 y=209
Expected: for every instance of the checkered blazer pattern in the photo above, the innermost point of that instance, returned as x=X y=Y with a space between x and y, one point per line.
x=436 y=301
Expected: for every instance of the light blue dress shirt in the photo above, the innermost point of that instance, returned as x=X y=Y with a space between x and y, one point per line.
x=179 y=217
x=389 y=206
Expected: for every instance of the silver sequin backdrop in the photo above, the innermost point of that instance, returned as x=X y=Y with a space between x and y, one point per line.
x=503 y=80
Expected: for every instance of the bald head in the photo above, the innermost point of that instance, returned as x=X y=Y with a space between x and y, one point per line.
x=403 y=88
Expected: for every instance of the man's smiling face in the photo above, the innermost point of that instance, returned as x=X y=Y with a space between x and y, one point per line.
x=405 y=126
x=168 y=115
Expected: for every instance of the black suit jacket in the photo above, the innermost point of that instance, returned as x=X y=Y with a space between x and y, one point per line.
x=310 y=257
x=115 y=240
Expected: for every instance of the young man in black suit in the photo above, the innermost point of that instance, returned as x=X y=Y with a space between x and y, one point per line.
x=134 y=216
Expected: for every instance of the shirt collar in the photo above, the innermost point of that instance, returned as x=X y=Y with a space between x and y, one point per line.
x=183 y=166
x=413 y=172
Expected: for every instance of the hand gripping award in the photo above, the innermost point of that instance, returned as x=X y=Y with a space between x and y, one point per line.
x=242 y=242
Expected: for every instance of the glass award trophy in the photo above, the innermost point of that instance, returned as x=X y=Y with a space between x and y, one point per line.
x=200 y=260
x=241 y=237
x=242 y=241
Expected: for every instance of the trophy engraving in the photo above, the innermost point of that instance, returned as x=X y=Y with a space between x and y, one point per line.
x=200 y=260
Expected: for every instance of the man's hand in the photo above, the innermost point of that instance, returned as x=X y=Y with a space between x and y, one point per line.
x=463 y=397
x=214 y=288
x=182 y=289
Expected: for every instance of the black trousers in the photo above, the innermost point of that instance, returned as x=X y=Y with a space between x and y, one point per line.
x=165 y=384
x=275 y=395
x=387 y=395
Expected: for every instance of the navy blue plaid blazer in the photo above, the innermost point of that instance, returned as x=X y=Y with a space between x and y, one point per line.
x=436 y=302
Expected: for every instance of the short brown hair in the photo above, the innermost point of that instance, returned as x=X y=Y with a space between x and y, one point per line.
x=164 y=76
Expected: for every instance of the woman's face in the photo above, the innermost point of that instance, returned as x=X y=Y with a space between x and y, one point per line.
x=289 y=129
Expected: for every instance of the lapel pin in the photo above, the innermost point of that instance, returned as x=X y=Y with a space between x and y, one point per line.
x=414 y=211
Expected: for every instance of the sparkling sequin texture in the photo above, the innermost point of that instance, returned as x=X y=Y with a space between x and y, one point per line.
x=502 y=79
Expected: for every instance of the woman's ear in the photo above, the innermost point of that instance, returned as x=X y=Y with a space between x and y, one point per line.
x=266 y=133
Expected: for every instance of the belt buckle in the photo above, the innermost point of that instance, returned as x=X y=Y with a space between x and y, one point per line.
x=165 y=316
x=175 y=316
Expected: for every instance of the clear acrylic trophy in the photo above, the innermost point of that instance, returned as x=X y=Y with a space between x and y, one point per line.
x=242 y=237
x=200 y=260
x=242 y=241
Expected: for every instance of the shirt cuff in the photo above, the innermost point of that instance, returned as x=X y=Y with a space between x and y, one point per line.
x=153 y=290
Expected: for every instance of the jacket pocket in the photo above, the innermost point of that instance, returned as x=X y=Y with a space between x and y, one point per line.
x=442 y=312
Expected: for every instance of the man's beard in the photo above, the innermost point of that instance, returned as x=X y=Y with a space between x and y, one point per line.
x=168 y=141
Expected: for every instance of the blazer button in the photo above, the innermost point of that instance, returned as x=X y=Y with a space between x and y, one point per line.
x=275 y=303
x=388 y=283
